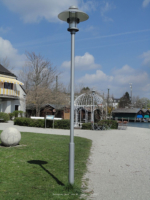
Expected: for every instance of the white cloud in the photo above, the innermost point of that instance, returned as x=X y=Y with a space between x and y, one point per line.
x=145 y=3
x=146 y=58
x=4 y=30
x=35 y=10
x=118 y=81
x=85 y=62
x=7 y=50
x=99 y=76
x=126 y=69
x=105 y=9
x=127 y=75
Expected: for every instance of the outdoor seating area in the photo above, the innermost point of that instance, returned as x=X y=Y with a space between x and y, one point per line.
x=97 y=127
x=122 y=125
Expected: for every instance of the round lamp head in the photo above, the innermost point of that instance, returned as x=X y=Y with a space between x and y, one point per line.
x=73 y=16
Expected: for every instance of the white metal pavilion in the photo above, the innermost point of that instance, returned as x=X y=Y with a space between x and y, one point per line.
x=87 y=102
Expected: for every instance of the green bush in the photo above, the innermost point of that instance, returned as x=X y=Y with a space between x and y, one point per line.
x=20 y=112
x=4 y=116
x=86 y=126
x=11 y=115
x=17 y=113
x=60 y=124
x=113 y=123
x=23 y=121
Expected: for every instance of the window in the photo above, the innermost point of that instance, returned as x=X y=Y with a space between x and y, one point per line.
x=8 y=85
x=16 y=107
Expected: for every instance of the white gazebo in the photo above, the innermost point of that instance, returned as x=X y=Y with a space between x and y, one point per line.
x=89 y=103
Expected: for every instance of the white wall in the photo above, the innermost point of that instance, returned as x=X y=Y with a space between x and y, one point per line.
x=9 y=106
x=3 y=106
x=22 y=99
x=13 y=103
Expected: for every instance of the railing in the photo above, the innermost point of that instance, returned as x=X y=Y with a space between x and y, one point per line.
x=9 y=92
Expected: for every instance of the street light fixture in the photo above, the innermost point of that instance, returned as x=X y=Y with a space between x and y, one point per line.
x=93 y=93
x=72 y=16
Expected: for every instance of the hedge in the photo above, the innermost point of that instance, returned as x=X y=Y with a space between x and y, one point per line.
x=114 y=124
x=4 y=116
x=16 y=113
x=60 y=124
x=86 y=126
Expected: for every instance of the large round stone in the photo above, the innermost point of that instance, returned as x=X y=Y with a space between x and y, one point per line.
x=10 y=137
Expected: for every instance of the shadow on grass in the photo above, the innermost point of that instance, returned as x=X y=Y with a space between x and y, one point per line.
x=41 y=163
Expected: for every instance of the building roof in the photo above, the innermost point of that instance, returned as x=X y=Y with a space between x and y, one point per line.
x=5 y=71
x=23 y=89
x=145 y=110
x=32 y=106
x=126 y=110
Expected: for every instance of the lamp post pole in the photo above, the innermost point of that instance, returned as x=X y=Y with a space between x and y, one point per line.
x=71 y=145
x=93 y=93
x=93 y=110
x=72 y=16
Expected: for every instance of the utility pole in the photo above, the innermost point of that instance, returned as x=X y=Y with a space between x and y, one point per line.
x=108 y=98
x=56 y=91
x=56 y=83
x=131 y=91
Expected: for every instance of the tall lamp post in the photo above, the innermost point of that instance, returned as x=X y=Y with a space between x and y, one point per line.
x=72 y=16
x=93 y=93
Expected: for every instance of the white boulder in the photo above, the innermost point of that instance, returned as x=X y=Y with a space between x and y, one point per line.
x=10 y=137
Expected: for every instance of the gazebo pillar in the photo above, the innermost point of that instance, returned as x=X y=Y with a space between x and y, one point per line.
x=76 y=117
x=86 y=116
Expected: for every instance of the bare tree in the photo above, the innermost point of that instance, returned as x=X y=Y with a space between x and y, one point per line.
x=142 y=103
x=6 y=63
x=59 y=97
x=38 y=76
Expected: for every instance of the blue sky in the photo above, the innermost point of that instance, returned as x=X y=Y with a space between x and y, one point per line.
x=112 y=47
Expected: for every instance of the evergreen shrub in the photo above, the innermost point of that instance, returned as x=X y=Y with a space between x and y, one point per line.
x=113 y=123
x=86 y=126
x=11 y=115
x=60 y=124
x=17 y=113
x=23 y=121
x=4 y=116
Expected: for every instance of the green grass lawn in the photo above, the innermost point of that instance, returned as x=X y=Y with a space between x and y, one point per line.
x=38 y=168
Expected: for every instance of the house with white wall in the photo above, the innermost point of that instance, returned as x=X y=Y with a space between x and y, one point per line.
x=12 y=94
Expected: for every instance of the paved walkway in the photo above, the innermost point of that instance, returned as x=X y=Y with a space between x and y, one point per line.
x=119 y=164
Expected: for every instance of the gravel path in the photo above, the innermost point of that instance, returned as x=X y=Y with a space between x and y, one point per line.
x=119 y=163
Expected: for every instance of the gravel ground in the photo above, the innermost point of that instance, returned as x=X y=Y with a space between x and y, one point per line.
x=119 y=163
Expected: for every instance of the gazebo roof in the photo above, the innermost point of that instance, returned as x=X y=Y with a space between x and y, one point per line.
x=87 y=99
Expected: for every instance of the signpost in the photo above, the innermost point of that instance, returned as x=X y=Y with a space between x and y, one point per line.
x=49 y=117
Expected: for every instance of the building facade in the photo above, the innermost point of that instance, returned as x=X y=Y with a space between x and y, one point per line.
x=131 y=114
x=12 y=94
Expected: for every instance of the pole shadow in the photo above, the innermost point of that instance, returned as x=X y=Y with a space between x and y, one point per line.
x=41 y=163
